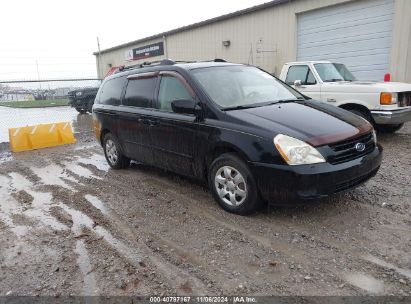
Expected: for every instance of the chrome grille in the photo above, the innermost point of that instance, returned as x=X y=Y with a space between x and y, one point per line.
x=404 y=99
x=345 y=150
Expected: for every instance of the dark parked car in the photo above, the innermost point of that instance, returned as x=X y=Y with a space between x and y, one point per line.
x=82 y=99
x=249 y=135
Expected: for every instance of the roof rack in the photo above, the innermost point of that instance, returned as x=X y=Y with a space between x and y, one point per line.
x=162 y=62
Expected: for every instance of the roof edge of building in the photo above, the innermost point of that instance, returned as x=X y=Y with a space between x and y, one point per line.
x=198 y=24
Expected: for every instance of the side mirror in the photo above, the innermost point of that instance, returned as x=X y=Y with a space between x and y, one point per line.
x=298 y=83
x=185 y=106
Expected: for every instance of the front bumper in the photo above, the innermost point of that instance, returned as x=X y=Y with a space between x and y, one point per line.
x=77 y=103
x=391 y=117
x=283 y=183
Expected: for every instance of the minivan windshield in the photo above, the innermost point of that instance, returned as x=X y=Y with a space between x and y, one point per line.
x=333 y=72
x=243 y=86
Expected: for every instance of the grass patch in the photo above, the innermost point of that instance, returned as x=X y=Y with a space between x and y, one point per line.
x=35 y=103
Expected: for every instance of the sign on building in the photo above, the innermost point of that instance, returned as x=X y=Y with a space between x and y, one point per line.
x=147 y=51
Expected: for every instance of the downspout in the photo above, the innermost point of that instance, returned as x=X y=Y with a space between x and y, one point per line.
x=165 y=46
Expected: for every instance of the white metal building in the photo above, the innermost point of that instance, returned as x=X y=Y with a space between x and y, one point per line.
x=372 y=37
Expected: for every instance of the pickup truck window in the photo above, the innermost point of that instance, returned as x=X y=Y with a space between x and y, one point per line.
x=302 y=73
x=332 y=72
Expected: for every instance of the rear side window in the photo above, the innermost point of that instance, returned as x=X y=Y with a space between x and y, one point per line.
x=140 y=92
x=300 y=72
x=171 y=89
x=111 y=91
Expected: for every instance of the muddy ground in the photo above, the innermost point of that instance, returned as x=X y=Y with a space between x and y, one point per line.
x=71 y=226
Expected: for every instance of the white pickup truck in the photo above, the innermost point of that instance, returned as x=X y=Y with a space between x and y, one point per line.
x=387 y=105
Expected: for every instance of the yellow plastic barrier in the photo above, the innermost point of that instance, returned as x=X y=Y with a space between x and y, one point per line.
x=41 y=136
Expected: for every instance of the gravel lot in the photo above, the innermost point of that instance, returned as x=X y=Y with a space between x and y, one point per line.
x=70 y=225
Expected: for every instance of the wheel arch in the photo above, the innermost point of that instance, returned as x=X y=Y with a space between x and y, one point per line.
x=219 y=149
x=352 y=106
x=102 y=134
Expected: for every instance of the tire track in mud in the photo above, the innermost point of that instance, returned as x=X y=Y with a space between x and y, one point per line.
x=176 y=277
x=177 y=252
x=338 y=248
x=63 y=193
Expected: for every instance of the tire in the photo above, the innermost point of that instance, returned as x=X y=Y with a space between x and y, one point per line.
x=362 y=113
x=230 y=174
x=389 y=128
x=81 y=111
x=90 y=105
x=113 y=153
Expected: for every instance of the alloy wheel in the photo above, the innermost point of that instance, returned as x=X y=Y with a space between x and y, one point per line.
x=230 y=186
x=111 y=151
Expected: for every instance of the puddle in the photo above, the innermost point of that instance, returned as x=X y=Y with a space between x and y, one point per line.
x=382 y=263
x=80 y=171
x=365 y=282
x=52 y=175
x=83 y=260
x=99 y=161
x=5 y=157
x=13 y=117
x=96 y=203
x=19 y=182
x=84 y=147
x=80 y=219
x=38 y=209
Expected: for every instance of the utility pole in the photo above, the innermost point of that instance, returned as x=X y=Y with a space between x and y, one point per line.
x=38 y=74
x=99 y=59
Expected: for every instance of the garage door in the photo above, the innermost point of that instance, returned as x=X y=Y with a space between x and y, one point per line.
x=357 y=33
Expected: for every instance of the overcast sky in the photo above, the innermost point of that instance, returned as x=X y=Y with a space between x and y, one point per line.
x=61 y=35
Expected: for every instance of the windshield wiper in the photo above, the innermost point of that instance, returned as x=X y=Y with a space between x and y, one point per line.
x=263 y=104
x=240 y=107
x=284 y=101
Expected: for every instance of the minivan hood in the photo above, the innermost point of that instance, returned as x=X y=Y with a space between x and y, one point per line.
x=312 y=121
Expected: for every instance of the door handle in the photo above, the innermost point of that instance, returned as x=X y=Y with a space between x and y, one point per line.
x=152 y=123
x=148 y=122
x=331 y=100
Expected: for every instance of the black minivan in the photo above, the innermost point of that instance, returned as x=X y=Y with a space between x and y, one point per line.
x=253 y=138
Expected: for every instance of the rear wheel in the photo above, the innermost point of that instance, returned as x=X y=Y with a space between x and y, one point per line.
x=113 y=153
x=233 y=185
x=389 y=128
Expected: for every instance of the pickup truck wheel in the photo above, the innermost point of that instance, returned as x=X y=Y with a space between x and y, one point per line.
x=389 y=128
x=362 y=113
x=113 y=153
x=232 y=184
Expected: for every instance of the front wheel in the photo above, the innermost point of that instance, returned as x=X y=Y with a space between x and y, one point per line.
x=389 y=128
x=112 y=151
x=362 y=113
x=81 y=110
x=233 y=185
x=90 y=106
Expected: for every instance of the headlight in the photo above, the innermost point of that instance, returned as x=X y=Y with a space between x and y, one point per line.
x=297 y=152
x=374 y=136
x=79 y=93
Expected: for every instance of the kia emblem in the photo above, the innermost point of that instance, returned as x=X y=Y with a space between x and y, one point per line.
x=360 y=147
